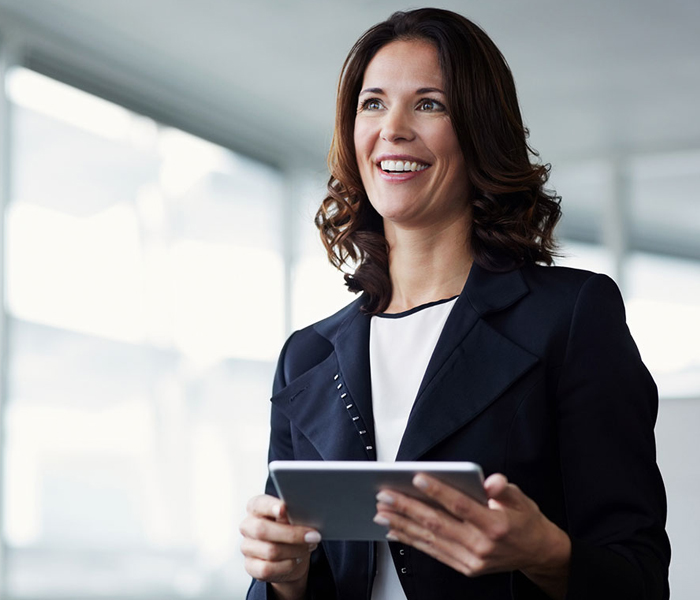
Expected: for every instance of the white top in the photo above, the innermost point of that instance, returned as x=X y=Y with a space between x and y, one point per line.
x=400 y=347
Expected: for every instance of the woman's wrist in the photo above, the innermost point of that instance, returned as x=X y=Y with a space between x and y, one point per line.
x=551 y=572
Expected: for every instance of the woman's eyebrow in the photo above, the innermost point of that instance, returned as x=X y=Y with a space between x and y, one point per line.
x=425 y=90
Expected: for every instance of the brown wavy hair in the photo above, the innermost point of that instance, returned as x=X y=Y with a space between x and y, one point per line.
x=513 y=215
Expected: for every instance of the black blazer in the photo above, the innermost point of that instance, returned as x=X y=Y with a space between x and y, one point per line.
x=535 y=376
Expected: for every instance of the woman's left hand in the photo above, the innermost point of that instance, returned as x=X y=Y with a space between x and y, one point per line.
x=509 y=534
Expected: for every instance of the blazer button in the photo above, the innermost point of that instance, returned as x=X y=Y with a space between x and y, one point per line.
x=402 y=552
x=404 y=570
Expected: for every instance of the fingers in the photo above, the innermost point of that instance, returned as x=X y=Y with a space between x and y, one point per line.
x=503 y=494
x=450 y=553
x=266 y=506
x=267 y=521
x=271 y=531
x=277 y=571
x=418 y=520
x=455 y=502
x=275 y=561
x=430 y=530
x=474 y=539
x=275 y=552
x=495 y=485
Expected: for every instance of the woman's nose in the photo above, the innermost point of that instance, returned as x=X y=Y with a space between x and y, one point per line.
x=396 y=126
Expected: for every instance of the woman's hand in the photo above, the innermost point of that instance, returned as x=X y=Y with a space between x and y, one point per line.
x=274 y=550
x=511 y=533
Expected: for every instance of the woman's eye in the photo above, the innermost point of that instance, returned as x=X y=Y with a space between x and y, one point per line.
x=427 y=104
x=371 y=104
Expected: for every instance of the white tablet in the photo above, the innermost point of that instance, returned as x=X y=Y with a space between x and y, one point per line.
x=337 y=498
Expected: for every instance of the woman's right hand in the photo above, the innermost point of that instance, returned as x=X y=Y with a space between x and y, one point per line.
x=274 y=550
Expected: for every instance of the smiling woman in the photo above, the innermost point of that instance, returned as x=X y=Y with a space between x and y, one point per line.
x=402 y=122
x=405 y=121
x=464 y=92
x=461 y=348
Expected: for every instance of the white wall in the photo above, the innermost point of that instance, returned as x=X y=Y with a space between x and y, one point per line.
x=679 y=461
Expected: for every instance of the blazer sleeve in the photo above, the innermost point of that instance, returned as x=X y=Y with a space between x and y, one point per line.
x=614 y=495
x=321 y=585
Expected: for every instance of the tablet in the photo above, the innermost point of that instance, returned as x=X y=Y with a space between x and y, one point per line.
x=338 y=498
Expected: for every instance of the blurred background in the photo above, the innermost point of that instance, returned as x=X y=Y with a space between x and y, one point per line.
x=160 y=165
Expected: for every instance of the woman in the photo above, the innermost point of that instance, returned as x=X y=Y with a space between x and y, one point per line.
x=461 y=348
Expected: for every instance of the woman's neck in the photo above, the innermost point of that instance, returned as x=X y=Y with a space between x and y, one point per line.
x=426 y=265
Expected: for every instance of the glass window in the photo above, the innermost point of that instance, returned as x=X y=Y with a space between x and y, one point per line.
x=144 y=277
x=585 y=188
x=663 y=312
x=318 y=288
x=665 y=212
x=590 y=257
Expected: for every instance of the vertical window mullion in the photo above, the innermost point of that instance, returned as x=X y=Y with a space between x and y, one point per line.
x=8 y=54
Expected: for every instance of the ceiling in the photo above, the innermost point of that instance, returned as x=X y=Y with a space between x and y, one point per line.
x=596 y=79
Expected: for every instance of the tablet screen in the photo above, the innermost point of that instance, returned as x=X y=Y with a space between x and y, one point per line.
x=338 y=498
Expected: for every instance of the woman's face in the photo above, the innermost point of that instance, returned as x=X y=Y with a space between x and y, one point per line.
x=408 y=154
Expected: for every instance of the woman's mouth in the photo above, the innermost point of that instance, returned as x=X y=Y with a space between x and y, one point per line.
x=401 y=166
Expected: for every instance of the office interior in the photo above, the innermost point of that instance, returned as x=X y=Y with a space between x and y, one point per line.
x=160 y=166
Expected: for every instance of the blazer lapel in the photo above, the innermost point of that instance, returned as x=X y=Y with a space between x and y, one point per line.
x=352 y=349
x=331 y=403
x=471 y=366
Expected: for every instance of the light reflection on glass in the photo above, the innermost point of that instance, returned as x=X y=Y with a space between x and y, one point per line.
x=145 y=293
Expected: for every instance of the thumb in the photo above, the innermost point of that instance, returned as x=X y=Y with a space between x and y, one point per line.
x=499 y=491
x=282 y=516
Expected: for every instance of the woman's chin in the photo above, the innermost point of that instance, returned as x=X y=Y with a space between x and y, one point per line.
x=400 y=219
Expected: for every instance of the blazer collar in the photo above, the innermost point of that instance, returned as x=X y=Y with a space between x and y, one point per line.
x=331 y=403
x=489 y=292
x=448 y=397
x=472 y=363
x=484 y=292
x=351 y=343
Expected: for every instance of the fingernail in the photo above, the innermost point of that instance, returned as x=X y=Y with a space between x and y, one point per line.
x=385 y=497
x=312 y=537
x=391 y=538
x=379 y=520
x=277 y=511
x=420 y=482
x=312 y=547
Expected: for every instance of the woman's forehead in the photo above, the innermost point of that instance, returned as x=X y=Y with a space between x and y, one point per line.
x=411 y=64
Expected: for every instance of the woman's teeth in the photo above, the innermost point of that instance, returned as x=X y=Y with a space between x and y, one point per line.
x=401 y=165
